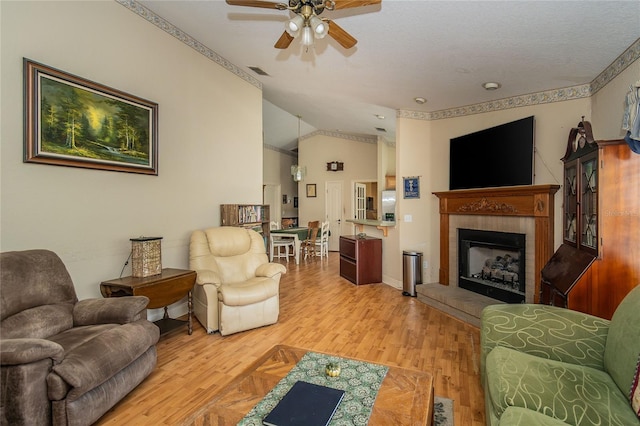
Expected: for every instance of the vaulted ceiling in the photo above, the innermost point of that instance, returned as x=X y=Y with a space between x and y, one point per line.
x=442 y=51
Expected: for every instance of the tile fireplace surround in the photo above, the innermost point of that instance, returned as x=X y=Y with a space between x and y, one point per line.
x=525 y=210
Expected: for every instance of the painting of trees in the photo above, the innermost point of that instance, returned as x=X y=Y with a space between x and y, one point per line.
x=81 y=123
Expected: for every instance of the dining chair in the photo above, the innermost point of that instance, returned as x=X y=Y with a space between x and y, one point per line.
x=322 y=241
x=279 y=241
x=308 y=246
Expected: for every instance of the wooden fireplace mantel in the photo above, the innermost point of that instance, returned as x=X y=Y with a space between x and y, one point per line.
x=536 y=201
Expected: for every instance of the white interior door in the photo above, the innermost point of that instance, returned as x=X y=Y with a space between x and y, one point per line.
x=360 y=201
x=271 y=196
x=334 y=213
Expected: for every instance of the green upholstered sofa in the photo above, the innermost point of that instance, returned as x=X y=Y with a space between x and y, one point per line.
x=544 y=365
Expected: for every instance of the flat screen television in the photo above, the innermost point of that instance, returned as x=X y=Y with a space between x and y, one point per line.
x=499 y=156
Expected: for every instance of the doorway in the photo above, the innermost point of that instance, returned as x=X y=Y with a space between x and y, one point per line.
x=365 y=200
x=360 y=201
x=271 y=197
x=334 y=213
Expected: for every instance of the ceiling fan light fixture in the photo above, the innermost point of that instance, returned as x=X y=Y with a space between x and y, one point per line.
x=298 y=172
x=307 y=36
x=320 y=28
x=293 y=25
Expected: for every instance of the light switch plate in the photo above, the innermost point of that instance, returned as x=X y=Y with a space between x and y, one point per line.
x=408 y=218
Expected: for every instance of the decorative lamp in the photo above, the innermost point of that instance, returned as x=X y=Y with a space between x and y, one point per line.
x=307 y=24
x=146 y=256
x=307 y=36
x=298 y=173
x=320 y=28
x=294 y=25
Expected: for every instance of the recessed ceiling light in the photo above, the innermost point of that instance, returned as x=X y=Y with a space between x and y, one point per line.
x=491 y=85
x=420 y=100
x=380 y=116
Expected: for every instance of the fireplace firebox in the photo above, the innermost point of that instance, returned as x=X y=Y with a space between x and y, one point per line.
x=492 y=264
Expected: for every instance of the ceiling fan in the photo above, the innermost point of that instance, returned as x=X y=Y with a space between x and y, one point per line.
x=307 y=22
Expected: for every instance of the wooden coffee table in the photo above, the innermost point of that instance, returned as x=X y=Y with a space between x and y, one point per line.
x=405 y=396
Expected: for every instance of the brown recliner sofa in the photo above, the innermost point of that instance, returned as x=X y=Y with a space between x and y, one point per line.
x=64 y=361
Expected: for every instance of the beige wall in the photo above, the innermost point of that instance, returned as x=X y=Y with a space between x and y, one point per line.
x=277 y=171
x=415 y=156
x=608 y=104
x=210 y=140
x=386 y=160
x=423 y=150
x=360 y=164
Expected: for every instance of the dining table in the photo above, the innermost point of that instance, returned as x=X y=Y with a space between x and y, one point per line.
x=298 y=234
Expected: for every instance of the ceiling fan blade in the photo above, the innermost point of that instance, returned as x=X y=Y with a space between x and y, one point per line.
x=256 y=3
x=344 y=4
x=341 y=36
x=284 y=41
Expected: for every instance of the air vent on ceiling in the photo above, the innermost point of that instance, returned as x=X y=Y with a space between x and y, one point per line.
x=380 y=129
x=258 y=70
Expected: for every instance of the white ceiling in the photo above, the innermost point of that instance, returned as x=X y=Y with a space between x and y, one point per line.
x=440 y=50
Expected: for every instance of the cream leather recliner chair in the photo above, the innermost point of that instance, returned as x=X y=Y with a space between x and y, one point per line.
x=237 y=288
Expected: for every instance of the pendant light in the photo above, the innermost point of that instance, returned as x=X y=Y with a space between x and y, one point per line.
x=298 y=172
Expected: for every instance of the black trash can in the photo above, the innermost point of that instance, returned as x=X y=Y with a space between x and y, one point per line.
x=411 y=272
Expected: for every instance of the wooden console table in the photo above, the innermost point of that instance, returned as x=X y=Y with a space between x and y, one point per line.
x=162 y=290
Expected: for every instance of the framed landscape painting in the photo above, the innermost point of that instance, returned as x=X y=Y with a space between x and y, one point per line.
x=71 y=121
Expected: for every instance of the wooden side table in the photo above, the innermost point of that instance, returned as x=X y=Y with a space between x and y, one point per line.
x=163 y=289
x=361 y=259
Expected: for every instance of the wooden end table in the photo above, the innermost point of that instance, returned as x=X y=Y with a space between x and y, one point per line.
x=163 y=289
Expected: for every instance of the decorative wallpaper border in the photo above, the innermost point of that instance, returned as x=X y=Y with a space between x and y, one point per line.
x=555 y=95
x=392 y=144
x=347 y=136
x=627 y=57
x=548 y=96
x=176 y=32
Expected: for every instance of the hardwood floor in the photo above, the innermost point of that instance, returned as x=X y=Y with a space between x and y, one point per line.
x=319 y=311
